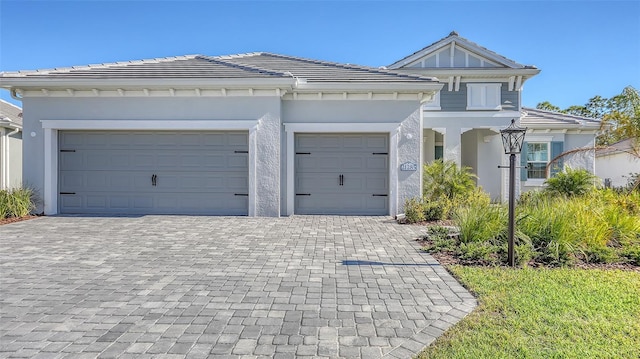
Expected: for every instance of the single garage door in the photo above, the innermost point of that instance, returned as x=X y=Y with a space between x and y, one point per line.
x=161 y=172
x=342 y=174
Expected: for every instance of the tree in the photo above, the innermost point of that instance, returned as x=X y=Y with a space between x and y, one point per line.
x=547 y=106
x=620 y=115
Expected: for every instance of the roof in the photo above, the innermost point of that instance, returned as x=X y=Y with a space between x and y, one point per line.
x=10 y=114
x=462 y=42
x=536 y=118
x=258 y=65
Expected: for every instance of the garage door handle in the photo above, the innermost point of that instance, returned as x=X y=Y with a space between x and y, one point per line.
x=341 y=179
x=379 y=195
x=303 y=194
x=154 y=180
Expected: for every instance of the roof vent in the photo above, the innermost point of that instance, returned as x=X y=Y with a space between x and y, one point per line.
x=453 y=33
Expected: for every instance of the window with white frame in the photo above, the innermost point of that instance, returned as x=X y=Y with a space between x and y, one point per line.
x=537 y=160
x=483 y=96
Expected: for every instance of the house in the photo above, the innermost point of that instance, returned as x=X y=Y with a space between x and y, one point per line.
x=615 y=164
x=10 y=145
x=262 y=134
x=256 y=134
x=481 y=94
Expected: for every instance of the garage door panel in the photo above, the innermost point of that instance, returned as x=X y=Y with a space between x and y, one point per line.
x=341 y=204
x=341 y=174
x=111 y=172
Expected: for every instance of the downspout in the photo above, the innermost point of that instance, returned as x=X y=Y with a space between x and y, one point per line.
x=14 y=94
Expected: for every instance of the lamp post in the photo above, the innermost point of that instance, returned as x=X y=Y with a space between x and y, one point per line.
x=512 y=140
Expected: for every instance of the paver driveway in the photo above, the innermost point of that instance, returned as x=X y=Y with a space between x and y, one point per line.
x=176 y=286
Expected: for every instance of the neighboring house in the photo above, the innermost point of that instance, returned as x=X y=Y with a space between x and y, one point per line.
x=262 y=134
x=616 y=163
x=482 y=93
x=10 y=145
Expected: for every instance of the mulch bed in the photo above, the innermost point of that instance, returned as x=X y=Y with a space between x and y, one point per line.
x=447 y=259
x=16 y=219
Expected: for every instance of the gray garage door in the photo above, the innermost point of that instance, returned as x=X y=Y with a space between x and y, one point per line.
x=342 y=174
x=159 y=172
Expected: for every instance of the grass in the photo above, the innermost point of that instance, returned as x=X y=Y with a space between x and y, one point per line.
x=546 y=313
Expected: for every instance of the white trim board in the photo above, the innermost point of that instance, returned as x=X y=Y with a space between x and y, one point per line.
x=219 y=125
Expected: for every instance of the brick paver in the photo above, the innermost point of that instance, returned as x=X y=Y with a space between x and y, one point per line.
x=196 y=287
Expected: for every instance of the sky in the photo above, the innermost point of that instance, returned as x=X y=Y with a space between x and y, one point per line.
x=583 y=48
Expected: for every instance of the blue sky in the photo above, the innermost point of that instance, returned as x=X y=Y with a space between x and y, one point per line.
x=584 y=48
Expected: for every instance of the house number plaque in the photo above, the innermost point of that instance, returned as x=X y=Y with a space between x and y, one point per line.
x=408 y=166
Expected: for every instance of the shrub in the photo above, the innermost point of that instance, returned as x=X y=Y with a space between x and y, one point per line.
x=445 y=179
x=479 y=222
x=414 y=210
x=572 y=182
x=17 y=202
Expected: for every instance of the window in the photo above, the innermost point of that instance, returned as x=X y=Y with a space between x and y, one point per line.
x=537 y=160
x=483 y=96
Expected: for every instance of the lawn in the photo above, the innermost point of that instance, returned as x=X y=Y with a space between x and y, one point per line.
x=546 y=313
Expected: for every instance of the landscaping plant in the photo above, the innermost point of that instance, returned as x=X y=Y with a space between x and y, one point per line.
x=18 y=202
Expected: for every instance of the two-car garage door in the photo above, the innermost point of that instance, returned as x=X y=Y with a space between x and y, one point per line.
x=161 y=172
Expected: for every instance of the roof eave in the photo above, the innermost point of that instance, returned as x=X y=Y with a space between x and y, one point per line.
x=51 y=83
x=364 y=86
x=472 y=72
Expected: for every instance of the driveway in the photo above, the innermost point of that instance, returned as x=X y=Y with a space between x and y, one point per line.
x=188 y=286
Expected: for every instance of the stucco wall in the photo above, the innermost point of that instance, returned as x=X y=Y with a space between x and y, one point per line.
x=12 y=144
x=267 y=109
x=268 y=145
x=15 y=160
x=407 y=142
x=617 y=167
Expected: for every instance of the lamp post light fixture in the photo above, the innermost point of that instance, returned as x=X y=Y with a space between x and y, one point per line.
x=512 y=141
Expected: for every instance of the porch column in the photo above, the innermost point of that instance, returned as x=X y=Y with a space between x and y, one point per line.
x=452 y=150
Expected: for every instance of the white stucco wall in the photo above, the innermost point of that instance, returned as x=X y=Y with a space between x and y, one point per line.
x=616 y=166
x=266 y=109
x=267 y=140
x=405 y=137
x=13 y=158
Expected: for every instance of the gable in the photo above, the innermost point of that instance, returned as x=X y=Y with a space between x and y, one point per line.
x=456 y=52
x=453 y=56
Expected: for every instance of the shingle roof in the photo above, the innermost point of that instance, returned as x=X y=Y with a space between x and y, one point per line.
x=534 y=117
x=320 y=71
x=470 y=45
x=243 y=66
x=10 y=113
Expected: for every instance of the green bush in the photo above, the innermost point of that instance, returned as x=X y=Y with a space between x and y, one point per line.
x=414 y=210
x=436 y=210
x=17 y=202
x=444 y=179
x=572 y=182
